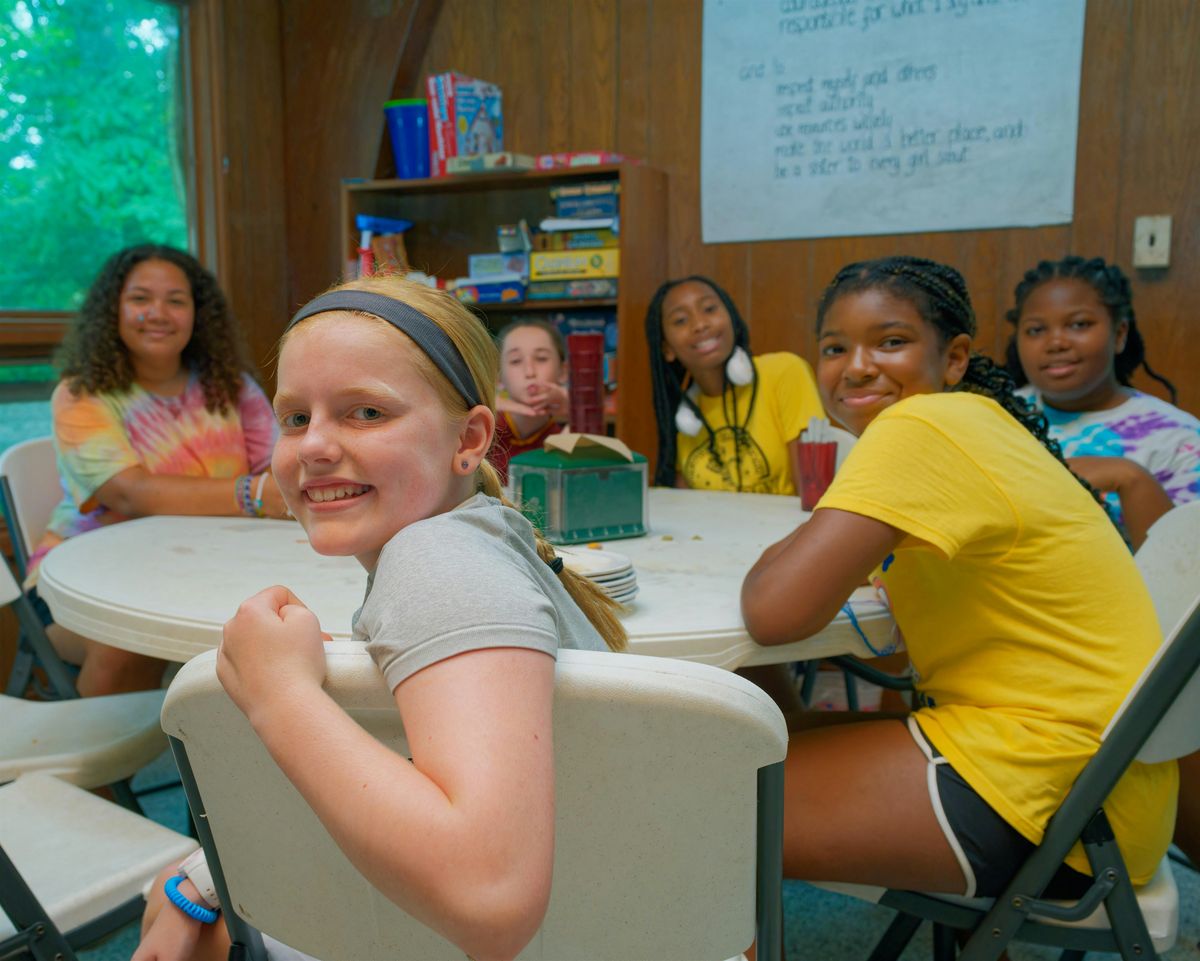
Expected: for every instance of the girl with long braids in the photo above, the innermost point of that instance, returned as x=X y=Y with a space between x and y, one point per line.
x=724 y=418
x=1076 y=344
x=1000 y=568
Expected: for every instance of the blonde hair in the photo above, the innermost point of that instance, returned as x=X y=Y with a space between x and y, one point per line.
x=478 y=350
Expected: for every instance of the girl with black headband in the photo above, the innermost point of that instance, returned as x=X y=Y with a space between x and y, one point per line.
x=386 y=408
x=1000 y=568
x=724 y=418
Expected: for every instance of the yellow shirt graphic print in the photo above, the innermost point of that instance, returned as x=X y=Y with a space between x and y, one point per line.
x=749 y=442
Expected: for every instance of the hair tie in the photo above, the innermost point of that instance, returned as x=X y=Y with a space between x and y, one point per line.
x=425 y=333
x=556 y=565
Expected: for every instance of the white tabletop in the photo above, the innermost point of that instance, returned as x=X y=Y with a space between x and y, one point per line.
x=164 y=586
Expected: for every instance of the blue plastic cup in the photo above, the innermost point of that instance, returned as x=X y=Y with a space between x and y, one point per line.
x=408 y=127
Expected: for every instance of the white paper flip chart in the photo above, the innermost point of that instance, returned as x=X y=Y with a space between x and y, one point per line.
x=827 y=118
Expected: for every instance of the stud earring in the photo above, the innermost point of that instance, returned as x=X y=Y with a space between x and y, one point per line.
x=465 y=464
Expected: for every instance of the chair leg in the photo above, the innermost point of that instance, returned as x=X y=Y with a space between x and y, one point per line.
x=769 y=920
x=945 y=947
x=36 y=935
x=22 y=670
x=895 y=939
x=124 y=796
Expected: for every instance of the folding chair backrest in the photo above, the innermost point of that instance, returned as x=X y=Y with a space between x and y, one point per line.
x=656 y=767
x=1169 y=562
x=31 y=472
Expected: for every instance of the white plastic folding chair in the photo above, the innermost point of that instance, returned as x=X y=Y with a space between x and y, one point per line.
x=668 y=815
x=72 y=866
x=31 y=490
x=1159 y=721
x=86 y=741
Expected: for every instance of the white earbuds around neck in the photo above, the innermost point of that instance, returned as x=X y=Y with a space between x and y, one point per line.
x=739 y=371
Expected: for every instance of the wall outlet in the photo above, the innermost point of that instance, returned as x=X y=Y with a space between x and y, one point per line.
x=1152 y=241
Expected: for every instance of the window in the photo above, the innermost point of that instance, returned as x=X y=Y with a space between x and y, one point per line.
x=92 y=138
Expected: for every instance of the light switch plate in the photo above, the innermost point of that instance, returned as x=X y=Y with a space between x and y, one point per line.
x=1152 y=241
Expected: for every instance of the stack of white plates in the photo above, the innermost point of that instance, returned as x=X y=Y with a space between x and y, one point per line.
x=613 y=573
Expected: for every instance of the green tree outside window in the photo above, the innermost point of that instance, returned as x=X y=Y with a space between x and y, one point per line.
x=92 y=134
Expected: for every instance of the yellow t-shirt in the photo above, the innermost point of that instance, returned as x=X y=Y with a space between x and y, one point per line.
x=1024 y=616
x=786 y=398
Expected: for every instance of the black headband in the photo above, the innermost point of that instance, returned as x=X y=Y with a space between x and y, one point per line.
x=425 y=333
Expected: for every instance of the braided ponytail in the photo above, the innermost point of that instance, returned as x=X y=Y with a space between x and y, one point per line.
x=600 y=609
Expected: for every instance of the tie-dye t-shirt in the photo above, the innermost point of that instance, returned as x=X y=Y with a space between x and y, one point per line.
x=99 y=435
x=1162 y=438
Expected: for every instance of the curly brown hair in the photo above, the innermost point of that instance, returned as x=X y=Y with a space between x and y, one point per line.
x=93 y=358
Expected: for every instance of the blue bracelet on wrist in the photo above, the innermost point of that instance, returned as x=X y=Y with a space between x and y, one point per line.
x=189 y=907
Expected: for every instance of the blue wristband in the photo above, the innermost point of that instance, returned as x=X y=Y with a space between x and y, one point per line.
x=189 y=907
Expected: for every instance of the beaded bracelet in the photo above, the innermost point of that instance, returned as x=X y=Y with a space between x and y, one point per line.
x=242 y=491
x=185 y=904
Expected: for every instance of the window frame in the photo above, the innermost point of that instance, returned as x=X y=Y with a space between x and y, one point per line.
x=36 y=334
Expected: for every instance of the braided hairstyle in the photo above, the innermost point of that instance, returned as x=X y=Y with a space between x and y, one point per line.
x=668 y=377
x=939 y=294
x=1115 y=292
x=93 y=357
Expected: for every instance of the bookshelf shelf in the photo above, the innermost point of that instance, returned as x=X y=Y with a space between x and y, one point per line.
x=454 y=217
x=535 y=306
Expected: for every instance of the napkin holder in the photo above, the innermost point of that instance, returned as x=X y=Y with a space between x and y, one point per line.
x=582 y=487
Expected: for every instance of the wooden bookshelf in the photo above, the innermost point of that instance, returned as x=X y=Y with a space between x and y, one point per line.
x=454 y=217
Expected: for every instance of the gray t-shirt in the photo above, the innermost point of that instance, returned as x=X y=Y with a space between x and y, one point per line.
x=463 y=581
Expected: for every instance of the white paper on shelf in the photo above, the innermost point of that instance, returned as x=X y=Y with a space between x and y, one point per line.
x=555 y=224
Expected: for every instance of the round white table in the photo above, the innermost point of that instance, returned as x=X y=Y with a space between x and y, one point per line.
x=164 y=586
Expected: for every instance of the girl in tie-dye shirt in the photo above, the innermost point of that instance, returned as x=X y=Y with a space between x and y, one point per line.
x=1075 y=347
x=157 y=413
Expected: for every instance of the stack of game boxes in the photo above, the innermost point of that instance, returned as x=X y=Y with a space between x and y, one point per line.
x=465 y=118
x=576 y=252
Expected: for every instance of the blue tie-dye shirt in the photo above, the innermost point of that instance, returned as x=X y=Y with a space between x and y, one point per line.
x=1163 y=439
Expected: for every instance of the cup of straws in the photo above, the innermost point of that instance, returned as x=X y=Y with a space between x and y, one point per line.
x=814 y=460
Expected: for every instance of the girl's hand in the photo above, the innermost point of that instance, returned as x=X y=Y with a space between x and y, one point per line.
x=547 y=397
x=271 y=649
x=508 y=405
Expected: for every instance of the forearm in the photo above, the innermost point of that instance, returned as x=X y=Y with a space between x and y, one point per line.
x=138 y=493
x=1142 y=503
x=463 y=879
x=798 y=585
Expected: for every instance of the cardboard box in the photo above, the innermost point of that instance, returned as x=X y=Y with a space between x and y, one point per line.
x=499 y=292
x=598 y=287
x=574 y=264
x=488 y=265
x=576 y=239
x=465 y=117
x=480 y=163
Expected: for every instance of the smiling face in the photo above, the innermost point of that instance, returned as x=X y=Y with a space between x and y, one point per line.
x=1067 y=341
x=155 y=313
x=698 y=332
x=366 y=446
x=528 y=359
x=876 y=349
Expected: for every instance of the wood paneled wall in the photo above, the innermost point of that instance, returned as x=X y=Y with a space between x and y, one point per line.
x=624 y=75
